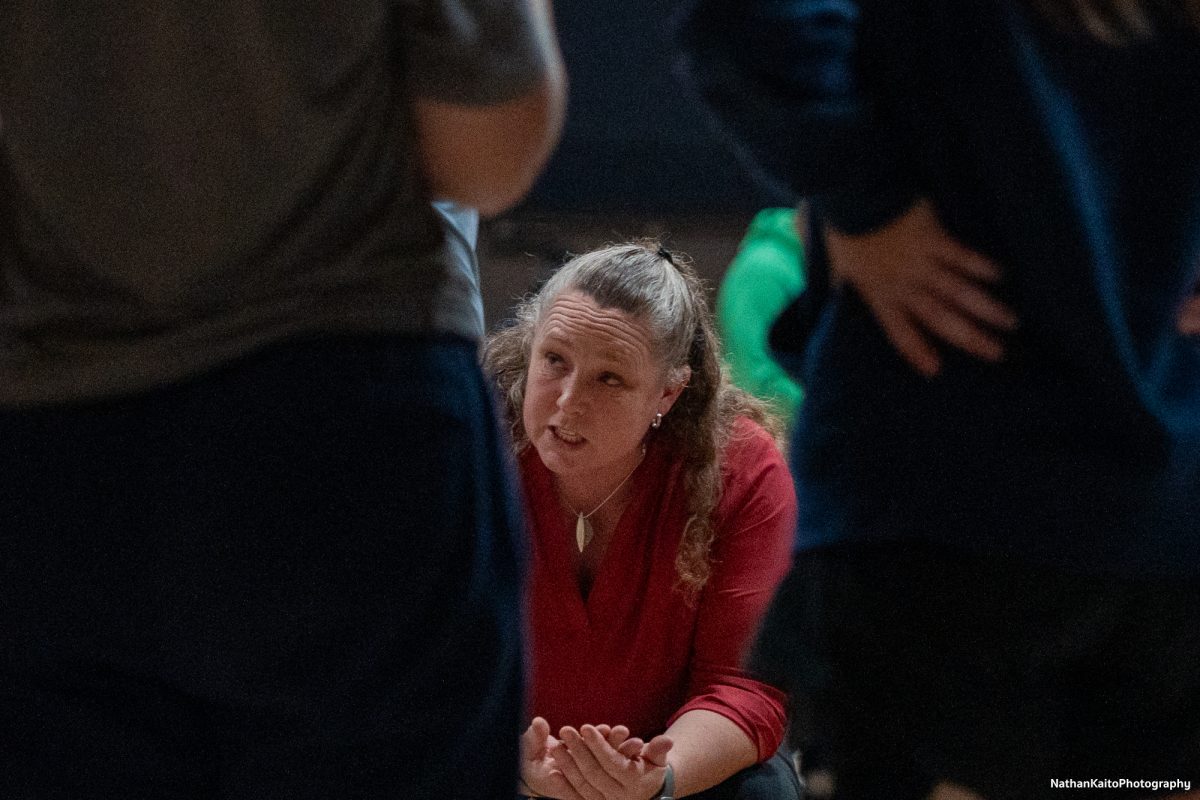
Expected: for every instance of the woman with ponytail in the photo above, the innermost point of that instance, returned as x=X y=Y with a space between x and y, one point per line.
x=661 y=516
x=998 y=460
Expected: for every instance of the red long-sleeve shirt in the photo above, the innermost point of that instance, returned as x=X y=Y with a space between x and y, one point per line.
x=635 y=652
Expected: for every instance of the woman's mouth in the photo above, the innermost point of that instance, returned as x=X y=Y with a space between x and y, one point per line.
x=566 y=435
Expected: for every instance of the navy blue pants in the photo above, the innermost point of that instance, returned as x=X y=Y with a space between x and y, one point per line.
x=294 y=577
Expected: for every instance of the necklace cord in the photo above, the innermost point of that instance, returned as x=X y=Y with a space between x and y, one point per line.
x=612 y=494
x=583 y=524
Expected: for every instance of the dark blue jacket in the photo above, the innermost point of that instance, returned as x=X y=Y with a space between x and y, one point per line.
x=1074 y=165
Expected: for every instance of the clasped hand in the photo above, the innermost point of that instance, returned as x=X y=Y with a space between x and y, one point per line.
x=924 y=287
x=927 y=290
x=596 y=762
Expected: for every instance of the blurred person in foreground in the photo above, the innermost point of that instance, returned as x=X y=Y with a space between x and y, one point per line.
x=258 y=534
x=998 y=460
x=661 y=515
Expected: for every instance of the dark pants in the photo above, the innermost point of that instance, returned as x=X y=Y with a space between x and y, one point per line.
x=915 y=664
x=295 y=577
x=774 y=779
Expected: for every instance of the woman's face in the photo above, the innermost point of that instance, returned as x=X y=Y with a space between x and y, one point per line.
x=593 y=389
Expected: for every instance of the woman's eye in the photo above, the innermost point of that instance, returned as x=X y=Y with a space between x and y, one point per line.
x=552 y=359
x=609 y=379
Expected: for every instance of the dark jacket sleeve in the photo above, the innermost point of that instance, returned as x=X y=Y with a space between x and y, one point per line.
x=803 y=87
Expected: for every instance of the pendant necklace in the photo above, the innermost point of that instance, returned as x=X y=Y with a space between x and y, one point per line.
x=583 y=522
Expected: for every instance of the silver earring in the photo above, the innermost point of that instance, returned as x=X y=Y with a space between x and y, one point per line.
x=657 y=422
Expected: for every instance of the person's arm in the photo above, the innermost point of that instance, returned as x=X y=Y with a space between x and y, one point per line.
x=708 y=749
x=817 y=92
x=924 y=287
x=488 y=157
x=751 y=555
x=488 y=96
x=764 y=278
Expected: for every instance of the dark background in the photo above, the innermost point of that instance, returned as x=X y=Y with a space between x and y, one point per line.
x=638 y=158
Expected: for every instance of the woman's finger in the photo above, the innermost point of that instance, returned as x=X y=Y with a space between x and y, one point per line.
x=655 y=751
x=618 y=766
x=540 y=727
x=568 y=765
x=601 y=765
x=631 y=748
x=533 y=742
x=618 y=735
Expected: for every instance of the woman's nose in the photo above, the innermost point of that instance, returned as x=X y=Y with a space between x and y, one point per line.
x=571 y=398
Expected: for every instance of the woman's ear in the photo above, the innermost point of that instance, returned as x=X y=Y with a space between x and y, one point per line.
x=677 y=381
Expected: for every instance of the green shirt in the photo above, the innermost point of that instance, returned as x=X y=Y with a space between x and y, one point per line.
x=765 y=276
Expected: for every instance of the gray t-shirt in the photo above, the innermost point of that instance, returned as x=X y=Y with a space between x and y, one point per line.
x=181 y=183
